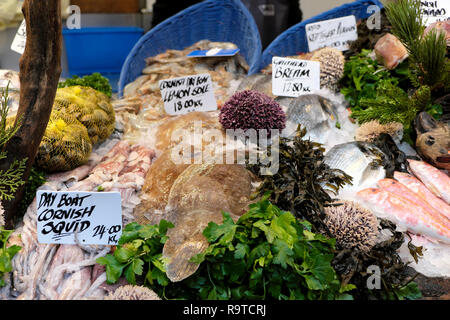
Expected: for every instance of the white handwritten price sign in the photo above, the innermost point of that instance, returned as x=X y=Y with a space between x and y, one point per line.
x=18 y=44
x=91 y=217
x=437 y=10
x=186 y=94
x=334 y=33
x=293 y=77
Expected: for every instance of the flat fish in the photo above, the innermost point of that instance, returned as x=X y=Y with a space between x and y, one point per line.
x=185 y=241
x=196 y=198
x=143 y=94
x=155 y=191
x=361 y=160
x=402 y=212
x=434 y=179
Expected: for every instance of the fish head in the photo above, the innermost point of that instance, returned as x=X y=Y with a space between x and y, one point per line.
x=369 y=194
x=413 y=163
x=385 y=183
x=399 y=175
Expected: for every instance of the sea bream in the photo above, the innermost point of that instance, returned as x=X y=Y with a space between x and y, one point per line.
x=422 y=191
x=402 y=212
x=361 y=160
x=312 y=112
x=433 y=178
x=322 y=114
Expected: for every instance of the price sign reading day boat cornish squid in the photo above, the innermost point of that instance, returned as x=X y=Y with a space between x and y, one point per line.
x=79 y=217
x=437 y=10
x=334 y=33
x=186 y=94
x=293 y=77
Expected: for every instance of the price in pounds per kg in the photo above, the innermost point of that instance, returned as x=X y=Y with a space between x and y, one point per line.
x=295 y=87
x=101 y=229
x=187 y=104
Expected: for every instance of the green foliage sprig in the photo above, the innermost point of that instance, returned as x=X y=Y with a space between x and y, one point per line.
x=6 y=254
x=406 y=17
x=139 y=246
x=430 y=65
x=266 y=254
x=363 y=76
x=393 y=104
x=427 y=54
x=6 y=132
x=10 y=179
x=95 y=81
x=35 y=180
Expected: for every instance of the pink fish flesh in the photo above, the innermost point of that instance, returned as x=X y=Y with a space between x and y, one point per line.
x=415 y=218
x=434 y=179
x=402 y=191
x=422 y=191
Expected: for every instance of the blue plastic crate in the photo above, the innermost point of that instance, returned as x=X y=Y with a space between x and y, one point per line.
x=102 y=50
x=215 y=20
x=293 y=40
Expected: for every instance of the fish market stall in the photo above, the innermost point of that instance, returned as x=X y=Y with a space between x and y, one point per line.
x=302 y=172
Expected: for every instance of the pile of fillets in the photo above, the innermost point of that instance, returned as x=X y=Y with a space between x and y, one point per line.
x=70 y=272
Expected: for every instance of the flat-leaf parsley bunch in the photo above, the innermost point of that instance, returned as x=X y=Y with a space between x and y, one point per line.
x=266 y=254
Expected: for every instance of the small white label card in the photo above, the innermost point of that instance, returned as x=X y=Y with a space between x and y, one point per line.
x=214 y=52
x=334 y=33
x=293 y=77
x=186 y=94
x=437 y=10
x=18 y=44
x=91 y=217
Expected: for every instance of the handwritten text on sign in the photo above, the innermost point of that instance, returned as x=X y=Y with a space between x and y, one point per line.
x=20 y=40
x=186 y=94
x=437 y=10
x=293 y=77
x=334 y=33
x=95 y=217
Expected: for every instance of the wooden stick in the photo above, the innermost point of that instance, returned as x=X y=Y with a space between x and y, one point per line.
x=40 y=68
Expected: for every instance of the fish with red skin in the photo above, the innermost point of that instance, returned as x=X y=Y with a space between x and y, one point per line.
x=433 y=178
x=402 y=191
x=400 y=211
x=416 y=186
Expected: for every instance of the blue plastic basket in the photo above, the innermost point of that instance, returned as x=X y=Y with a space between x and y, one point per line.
x=101 y=50
x=293 y=40
x=215 y=20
